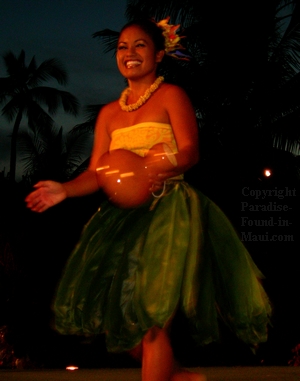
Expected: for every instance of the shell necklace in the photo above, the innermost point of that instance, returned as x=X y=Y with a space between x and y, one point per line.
x=142 y=99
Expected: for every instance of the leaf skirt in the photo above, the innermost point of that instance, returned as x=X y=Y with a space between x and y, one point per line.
x=133 y=268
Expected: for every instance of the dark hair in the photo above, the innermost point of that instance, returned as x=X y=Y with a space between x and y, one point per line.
x=150 y=27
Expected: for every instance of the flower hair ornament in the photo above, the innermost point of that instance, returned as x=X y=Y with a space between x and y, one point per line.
x=172 y=39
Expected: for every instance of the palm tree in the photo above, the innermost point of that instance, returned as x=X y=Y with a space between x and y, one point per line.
x=51 y=155
x=25 y=96
x=90 y=112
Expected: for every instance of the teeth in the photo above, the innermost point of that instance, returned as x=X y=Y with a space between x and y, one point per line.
x=131 y=64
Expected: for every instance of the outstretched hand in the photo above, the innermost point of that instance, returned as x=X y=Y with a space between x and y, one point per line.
x=45 y=195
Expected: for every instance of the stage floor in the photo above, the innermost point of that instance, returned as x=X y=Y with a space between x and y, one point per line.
x=262 y=373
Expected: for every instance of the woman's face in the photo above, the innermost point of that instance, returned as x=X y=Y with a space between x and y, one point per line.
x=136 y=53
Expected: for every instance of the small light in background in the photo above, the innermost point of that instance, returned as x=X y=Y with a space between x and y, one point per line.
x=267 y=172
x=72 y=367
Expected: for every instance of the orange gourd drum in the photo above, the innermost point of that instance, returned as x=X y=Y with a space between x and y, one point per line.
x=124 y=175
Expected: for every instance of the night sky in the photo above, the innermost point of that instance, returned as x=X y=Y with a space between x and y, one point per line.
x=63 y=29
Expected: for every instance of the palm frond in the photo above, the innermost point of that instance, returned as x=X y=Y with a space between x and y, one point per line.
x=12 y=63
x=48 y=69
x=91 y=112
x=30 y=149
x=53 y=98
x=109 y=38
x=38 y=118
x=81 y=168
x=288 y=49
x=286 y=132
x=77 y=145
x=69 y=102
x=179 y=11
x=6 y=88
x=32 y=66
x=10 y=110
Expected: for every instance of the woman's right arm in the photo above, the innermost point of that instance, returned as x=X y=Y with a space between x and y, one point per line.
x=49 y=193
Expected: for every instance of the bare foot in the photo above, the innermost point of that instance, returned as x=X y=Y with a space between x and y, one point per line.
x=185 y=375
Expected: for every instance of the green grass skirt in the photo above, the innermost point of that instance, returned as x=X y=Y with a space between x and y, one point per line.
x=133 y=268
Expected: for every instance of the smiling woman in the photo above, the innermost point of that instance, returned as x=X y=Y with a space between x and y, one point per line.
x=136 y=265
x=138 y=57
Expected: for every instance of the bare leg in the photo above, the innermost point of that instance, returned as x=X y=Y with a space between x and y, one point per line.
x=157 y=357
x=158 y=362
x=136 y=352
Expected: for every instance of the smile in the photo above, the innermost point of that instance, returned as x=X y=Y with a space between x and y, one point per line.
x=131 y=64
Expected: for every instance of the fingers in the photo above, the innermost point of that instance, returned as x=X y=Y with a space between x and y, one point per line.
x=30 y=199
x=38 y=207
x=156 y=181
x=38 y=204
x=155 y=185
x=37 y=200
x=45 y=195
x=40 y=184
x=155 y=188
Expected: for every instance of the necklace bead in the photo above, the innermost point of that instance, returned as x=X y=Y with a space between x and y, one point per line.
x=142 y=99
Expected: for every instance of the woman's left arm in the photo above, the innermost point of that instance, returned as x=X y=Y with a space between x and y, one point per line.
x=182 y=118
x=185 y=128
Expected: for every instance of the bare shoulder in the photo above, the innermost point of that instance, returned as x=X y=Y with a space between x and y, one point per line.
x=109 y=109
x=176 y=101
x=174 y=94
x=106 y=115
x=173 y=89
